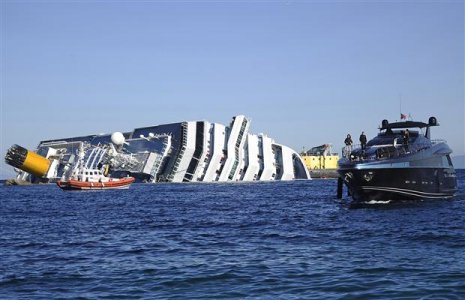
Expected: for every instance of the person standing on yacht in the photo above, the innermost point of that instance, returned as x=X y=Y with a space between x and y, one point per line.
x=406 y=138
x=363 y=140
x=348 y=148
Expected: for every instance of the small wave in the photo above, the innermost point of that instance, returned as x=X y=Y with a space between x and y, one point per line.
x=370 y=203
x=199 y=279
x=378 y=202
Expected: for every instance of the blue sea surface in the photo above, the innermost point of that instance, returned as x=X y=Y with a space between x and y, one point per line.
x=277 y=240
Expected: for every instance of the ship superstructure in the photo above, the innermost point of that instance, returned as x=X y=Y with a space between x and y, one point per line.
x=178 y=152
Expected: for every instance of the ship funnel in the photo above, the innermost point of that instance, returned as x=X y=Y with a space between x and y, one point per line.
x=27 y=161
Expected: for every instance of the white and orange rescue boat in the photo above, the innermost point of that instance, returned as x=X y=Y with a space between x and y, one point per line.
x=92 y=179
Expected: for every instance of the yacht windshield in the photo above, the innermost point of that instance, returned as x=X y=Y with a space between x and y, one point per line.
x=388 y=138
x=383 y=140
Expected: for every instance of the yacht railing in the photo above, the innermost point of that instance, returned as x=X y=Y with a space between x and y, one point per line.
x=385 y=151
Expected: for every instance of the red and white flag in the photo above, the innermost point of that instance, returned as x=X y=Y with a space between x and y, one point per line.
x=403 y=117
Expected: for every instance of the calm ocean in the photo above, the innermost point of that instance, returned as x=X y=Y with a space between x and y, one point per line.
x=280 y=240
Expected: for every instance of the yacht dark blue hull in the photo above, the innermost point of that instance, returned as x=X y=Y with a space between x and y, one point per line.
x=400 y=183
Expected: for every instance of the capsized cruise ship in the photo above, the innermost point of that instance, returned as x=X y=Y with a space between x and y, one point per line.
x=178 y=152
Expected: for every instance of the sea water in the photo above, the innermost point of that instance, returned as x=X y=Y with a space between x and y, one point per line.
x=277 y=240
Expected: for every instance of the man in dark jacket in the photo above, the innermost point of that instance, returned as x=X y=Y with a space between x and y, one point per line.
x=348 y=147
x=406 y=138
x=363 y=140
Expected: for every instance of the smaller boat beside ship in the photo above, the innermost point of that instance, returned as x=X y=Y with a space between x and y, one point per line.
x=82 y=177
x=92 y=179
x=399 y=166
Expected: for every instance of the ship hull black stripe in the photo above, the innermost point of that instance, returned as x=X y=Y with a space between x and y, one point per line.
x=382 y=184
x=408 y=192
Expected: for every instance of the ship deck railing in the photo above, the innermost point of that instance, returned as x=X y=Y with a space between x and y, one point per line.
x=385 y=151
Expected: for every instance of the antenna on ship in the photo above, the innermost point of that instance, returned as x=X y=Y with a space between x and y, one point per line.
x=400 y=105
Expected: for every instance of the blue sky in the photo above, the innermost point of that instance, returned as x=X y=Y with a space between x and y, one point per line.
x=305 y=72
